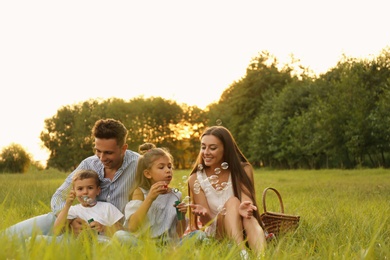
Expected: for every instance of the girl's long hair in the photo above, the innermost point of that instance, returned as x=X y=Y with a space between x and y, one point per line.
x=148 y=154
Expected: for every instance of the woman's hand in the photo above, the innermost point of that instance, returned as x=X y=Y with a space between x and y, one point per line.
x=246 y=209
x=198 y=210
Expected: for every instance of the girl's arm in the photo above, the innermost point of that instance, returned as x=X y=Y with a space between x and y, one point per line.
x=137 y=219
x=181 y=225
x=109 y=231
x=62 y=218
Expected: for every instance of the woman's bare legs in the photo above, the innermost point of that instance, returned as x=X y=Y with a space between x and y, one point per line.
x=232 y=225
x=255 y=235
x=231 y=222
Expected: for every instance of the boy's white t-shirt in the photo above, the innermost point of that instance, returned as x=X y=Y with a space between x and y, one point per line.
x=103 y=212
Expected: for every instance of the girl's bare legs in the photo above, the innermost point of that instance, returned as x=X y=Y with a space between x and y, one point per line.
x=255 y=235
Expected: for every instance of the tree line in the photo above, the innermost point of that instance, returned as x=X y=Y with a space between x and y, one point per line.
x=281 y=115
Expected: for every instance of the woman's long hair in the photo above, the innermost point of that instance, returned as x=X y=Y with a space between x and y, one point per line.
x=236 y=160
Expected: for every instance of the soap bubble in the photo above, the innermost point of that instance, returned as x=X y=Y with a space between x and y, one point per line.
x=213 y=179
x=221 y=210
x=88 y=200
x=186 y=200
x=196 y=184
x=218 y=122
x=217 y=170
x=196 y=187
x=224 y=185
x=224 y=165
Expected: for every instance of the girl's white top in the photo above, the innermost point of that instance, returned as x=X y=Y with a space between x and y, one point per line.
x=161 y=216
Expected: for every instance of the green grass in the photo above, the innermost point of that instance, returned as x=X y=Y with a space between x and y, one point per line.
x=344 y=215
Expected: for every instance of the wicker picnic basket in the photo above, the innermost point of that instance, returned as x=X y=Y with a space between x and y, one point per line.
x=277 y=223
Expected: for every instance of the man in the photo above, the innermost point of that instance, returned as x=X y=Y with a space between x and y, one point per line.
x=116 y=167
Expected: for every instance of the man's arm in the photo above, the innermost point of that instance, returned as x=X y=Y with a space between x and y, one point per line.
x=59 y=197
x=62 y=218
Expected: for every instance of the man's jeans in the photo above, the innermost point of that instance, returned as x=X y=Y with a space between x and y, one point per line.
x=42 y=224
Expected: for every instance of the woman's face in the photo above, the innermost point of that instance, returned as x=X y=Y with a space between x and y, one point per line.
x=212 y=151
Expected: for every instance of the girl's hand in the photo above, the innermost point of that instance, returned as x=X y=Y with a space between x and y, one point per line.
x=246 y=209
x=97 y=226
x=182 y=207
x=158 y=188
x=198 y=210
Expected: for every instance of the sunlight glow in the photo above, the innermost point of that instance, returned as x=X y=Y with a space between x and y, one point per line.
x=61 y=53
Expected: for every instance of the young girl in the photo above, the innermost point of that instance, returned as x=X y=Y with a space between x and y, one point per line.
x=103 y=217
x=151 y=209
x=222 y=188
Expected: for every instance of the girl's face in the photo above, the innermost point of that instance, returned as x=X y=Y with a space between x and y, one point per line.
x=86 y=187
x=161 y=170
x=212 y=151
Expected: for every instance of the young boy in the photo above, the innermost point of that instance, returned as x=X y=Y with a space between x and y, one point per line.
x=103 y=217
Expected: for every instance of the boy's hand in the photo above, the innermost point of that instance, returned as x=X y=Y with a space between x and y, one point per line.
x=77 y=225
x=70 y=198
x=97 y=226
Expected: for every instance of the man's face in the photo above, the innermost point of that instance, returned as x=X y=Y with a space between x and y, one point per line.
x=109 y=153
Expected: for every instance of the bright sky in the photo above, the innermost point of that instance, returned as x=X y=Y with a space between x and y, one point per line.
x=55 y=53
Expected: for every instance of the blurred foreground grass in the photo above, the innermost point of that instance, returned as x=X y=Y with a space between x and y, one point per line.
x=344 y=215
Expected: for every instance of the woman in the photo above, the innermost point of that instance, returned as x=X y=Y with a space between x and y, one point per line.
x=222 y=189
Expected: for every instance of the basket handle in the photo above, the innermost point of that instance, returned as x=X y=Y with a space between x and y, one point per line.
x=277 y=193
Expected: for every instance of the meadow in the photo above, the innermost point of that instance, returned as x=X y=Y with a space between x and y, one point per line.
x=344 y=215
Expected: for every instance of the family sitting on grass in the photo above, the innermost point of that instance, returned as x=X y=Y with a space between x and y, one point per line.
x=221 y=186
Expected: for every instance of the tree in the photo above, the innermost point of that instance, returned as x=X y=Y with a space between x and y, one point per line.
x=337 y=120
x=14 y=159
x=242 y=101
x=68 y=134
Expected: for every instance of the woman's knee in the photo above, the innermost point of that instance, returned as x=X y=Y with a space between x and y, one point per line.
x=232 y=202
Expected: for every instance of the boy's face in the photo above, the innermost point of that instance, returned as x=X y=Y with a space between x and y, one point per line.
x=86 y=188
